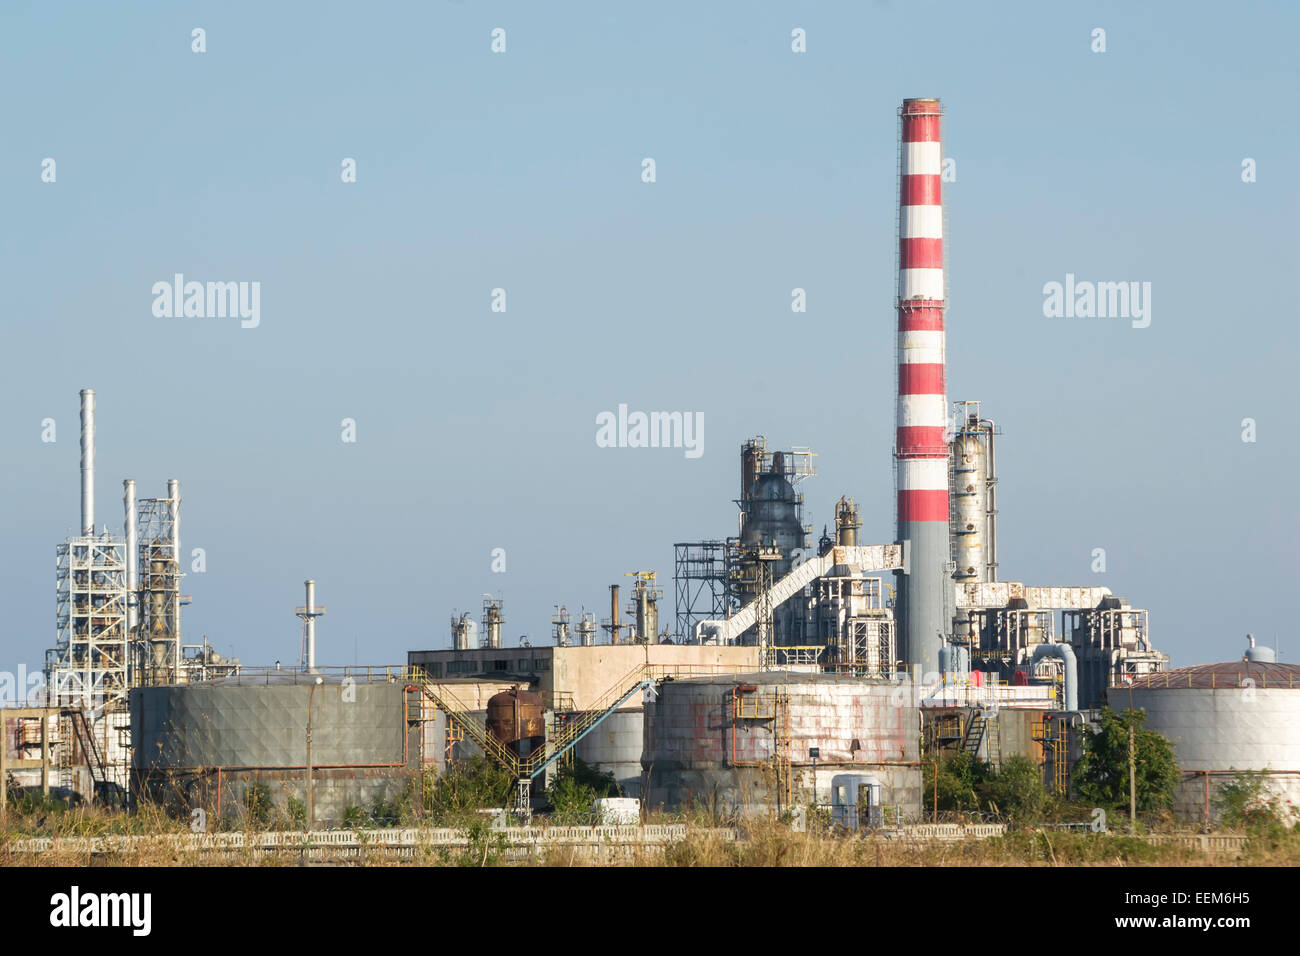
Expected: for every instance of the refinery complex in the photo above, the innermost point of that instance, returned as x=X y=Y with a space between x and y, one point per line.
x=794 y=668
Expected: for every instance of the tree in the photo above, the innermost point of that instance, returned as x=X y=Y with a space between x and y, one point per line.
x=1016 y=790
x=466 y=787
x=1102 y=774
x=576 y=788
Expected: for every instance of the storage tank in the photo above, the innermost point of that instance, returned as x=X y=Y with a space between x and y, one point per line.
x=516 y=718
x=744 y=744
x=208 y=744
x=1224 y=719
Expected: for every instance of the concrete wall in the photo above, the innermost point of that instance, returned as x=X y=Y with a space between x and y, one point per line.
x=695 y=750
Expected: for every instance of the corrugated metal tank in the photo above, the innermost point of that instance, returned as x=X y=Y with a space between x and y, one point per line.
x=718 y=741
x=1224 y=718
x=250 y=731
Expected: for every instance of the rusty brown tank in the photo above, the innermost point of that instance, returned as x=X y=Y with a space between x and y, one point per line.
x=516 y=719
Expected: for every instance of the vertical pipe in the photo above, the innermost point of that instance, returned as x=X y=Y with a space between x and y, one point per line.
x=921 y=446
x=992 y=498
x=45 y=755
x=174 y=510
x=310 y=618
x=132 y=530
x=88 y=461
x=613 y=613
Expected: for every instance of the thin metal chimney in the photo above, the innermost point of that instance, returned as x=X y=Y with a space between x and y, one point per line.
x=309 y=612
x=132 y=529
x=311 y=625
x=174 y=510
x=88 y=461
x=613 y=613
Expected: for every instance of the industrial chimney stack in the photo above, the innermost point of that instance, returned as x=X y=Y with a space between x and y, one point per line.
x=88 y=462
x=921 y=447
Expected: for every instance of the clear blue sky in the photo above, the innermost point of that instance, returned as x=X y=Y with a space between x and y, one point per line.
x=522 y=170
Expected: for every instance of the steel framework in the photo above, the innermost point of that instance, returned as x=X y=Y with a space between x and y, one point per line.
x=159 y=636
x=89 y=665
x=699 y=584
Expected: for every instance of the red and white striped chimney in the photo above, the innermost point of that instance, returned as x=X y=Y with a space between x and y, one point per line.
x=921 y=446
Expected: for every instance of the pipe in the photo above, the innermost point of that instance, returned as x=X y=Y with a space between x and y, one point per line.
x=174 y=510
x=88 y=461
x=1065 y=653
x=310 y=618
x=613 y=613
x=132 y=530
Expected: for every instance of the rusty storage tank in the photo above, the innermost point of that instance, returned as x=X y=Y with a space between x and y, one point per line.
x=516 y=718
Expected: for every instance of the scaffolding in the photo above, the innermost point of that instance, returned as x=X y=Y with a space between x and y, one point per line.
x=158 y=639
x=89 y=665
x=847 y=614
x=699 y=584
x=1054 y=738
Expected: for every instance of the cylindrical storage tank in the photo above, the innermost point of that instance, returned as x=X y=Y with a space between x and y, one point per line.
x=1224 y=719
x=517 y=719
x=223 y=744
x=745 y=743
x=614 y=746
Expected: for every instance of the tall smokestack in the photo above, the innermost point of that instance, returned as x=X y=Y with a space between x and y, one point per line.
x=131 y=527
x=88 y=461
x=921 y=447
x=311 y=625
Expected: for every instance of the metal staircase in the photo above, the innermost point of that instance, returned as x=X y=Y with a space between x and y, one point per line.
x=559 y=743
x=86 y=737
x=975 y=732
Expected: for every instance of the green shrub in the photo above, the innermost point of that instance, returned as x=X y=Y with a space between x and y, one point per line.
x=1102 y=774
x=466 y=787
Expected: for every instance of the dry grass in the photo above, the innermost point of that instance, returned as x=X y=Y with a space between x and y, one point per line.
x=766 y=843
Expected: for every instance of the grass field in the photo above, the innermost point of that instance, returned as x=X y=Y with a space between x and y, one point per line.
x=766 y=843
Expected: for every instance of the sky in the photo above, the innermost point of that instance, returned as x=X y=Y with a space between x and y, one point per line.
x=522 y=170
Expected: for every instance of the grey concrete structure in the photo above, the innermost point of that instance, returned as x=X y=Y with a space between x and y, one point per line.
x=926 y=600
x=702 y=747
